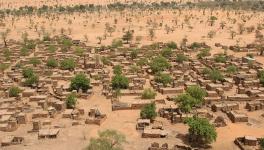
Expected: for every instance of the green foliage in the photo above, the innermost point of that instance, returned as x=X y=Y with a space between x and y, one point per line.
x=194 y=96
x=201 y=130
x=159 y=64
x=30 y=81
x=148 y=112
x=221 y=58
x=171 y=45
x=148 y=94
x=14 y=91
x=163 y=78
x=3 y=67
x=117 y=43
x=261 y=143
x=7 y=53
x=166 y=52
x=27 y=72
x=117 y=70
x=180 y=58
x=142 y=62
x=105 y=60
x=215 y=75
x=206 y=71
x=67 y=43
x=203 y=53
x=67 y=64
x=134 y=53
x=52 y=49
x=231 y=69
x=71 y=100
x=120 y=82
x=52 y=63
x=108 y=140
x=80 y=81
x=261 y=77
x=133 y=68
x=24 y=51
x=128 y=36
x=34 y=61
x=250 y=55
x=79 y=51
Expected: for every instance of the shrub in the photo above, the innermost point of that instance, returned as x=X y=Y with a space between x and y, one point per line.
x=14 y=91
x=203 y=53
x=30 y=81
x=117 y=70
x=196 y=92
x=221 y=58
x=215 y=75
x=79 y=51
x=80 y=81
x=27 y=72
x=163 y=78
x=52 y=63
x=117 y=43
x=172 y=45
x=142 y=62
x=134 y=53
x=34 y=61
x=120 y=82
x=71 y=100
x=166 y=52
x=52 y=49
x=180 y=58
x=148 y=94
x=67 y=64
x=159 y=64
x=231 y=69
x=105 y=60
x=148 y=112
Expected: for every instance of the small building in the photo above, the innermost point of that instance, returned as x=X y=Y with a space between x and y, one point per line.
x=11 y=140
x=237 y=117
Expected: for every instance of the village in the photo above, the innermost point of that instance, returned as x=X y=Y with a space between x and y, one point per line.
x=60 y=90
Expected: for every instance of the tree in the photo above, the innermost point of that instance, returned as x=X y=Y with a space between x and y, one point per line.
x=148 y=94
x=203 y=53
x=148 y=111
x=31 y=81
x=134 y=54
x=80 y=81
x=201 y=131
x=196 y=92
x=4 y=36
x=107 y=140
x=79 y=51
x=71 y=100
x=232 y=69
x=158 y=64
x=171 y=45
x=128 y=36
x=166 y=52
x=14 y=91
x=232 y=34
x=220 y=58
x=117 y=70
x=151 y=34
x=212 y=20
x=261 y=143
x=165 y=79
x=52 y=63
x=120 y=82
x=222 y=25
x=261 y=77
x=180 y=58
x=67 y=64
x=186 y=102
x=117 y=43
x=142 y=62
x=215 y=75
x=34 y=61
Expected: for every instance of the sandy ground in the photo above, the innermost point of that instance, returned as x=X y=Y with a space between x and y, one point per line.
x=190 y=24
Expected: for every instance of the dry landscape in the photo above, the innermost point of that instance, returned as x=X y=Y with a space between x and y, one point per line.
x=131 y=75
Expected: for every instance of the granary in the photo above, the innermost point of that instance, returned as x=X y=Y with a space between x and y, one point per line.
x=142 y=123
x=237 y=117
x=95 y=117
x=220 y=121
x=28 y=93
x=48 y=133
x=247 y=142
x=22 y=118
x=253 y=106
x=154 y=133
x=225 y=107
x=156 y=146
x=239 y=97
x=11 y=140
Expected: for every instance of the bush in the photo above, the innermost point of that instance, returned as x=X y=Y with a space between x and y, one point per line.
x=71 y=101
x=14 y=91
x=159 y=64
x=215 y=75
x=52 y=49
x=34 y=61
x=261 y=143
x=172 y=45
x=27 y=72
x=166 y=52
x=3 y=67
x=201 y=130
x=221 y=58
x=117 y=70
x=120 y=82
x=134 y=54
x=231 y=69
x=142 y=62
x=24 y=51
x=203 y=53
x=186 y=102
x=105 y=60
x=180 y=58
x=148 y=112
x=52 y=63
x=67 y=64
x=32 y=80
x=261 y=77
x=163 y=78
x=80 y=81
x=196 y=92
x=148 y=94
x=117 y=43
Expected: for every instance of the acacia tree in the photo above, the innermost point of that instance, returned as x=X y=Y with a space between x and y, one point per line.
x=80 y=81
x=151 y=34
x=107 y=140
x=128 y=36
x=201 y=131
x=148 y=112
x=4 y=36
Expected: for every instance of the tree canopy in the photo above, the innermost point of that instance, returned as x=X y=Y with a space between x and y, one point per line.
x=80 y=81
x=159 y=64
x=163 y=78
x=120 y=82
x=148 y=112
